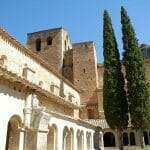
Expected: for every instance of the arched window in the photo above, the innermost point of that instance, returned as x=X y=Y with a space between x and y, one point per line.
x=109 y=139
x=13 y=133
x=146 y=138
x=79 y=140
x=67 y=139
x=125 y=139
x=132 y=138
x=52 y=138
x=49 y=40
x=38 y=44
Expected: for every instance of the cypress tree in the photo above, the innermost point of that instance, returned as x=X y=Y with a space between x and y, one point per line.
x=137 y=89
x=114 y=96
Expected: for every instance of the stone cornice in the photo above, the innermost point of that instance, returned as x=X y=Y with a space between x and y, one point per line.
x=74 y=120
x=12 y=77
x=34 y=56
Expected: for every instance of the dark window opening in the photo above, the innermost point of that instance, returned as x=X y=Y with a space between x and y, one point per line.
x=109 y=139
x=132 y=139
x=146 y=138
x=125 y=139
x=67 y=37
x=84 y=70
x=49 y=41
x=38 y=44
x=65 y=45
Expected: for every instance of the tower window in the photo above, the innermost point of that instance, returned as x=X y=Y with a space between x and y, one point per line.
x=49 y=40
x=67 y=37
x=38 y=44
x=65 y=45
x=84 y=70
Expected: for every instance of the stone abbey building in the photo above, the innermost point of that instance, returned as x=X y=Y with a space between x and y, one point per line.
x=51 y=92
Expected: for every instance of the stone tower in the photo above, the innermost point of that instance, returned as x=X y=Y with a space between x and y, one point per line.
x=86 y=76
x=76 y=62
x=51 y=45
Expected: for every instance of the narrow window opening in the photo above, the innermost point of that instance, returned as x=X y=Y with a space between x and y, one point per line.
x=67 y=37
x=49 y=41
x=38 y=44
x=132 y=139
x=65 y=45
x=84 y=70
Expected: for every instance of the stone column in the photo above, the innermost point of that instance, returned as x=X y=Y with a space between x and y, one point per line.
x=92 y=140
x=101 y=141
x=75 y=140
x=138 y=138
x=60 y=138
x=84 y=140
x=42 y=140
x=27 y=110
x=21 y=140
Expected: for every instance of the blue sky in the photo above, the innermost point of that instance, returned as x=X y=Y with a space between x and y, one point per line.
x=82 y=18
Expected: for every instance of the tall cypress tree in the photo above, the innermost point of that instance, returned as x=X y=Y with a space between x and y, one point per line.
x=114 y=96
x=137 y=89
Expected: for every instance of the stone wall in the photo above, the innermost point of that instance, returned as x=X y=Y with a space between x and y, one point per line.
x=85 y=71
x=86 y=77
x=100 y=75
x=68 y=65
x=35 y=72
x=53 y=43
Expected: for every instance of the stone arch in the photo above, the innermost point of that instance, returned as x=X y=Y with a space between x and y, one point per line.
x=67 y=139
x=109 y=139
x=52 y=137
x=88 y=136
x=125 y=139
x=145 y=134
x=13 y=133
x=132 y=138
x=79 y=139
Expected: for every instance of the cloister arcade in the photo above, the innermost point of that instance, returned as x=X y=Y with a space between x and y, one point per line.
x=129 y=138
x=72 y=138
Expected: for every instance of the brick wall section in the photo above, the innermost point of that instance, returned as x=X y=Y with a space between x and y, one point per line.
x=85 y=71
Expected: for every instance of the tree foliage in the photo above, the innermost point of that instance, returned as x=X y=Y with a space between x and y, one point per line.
x=137 y=89
x=114 y=96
